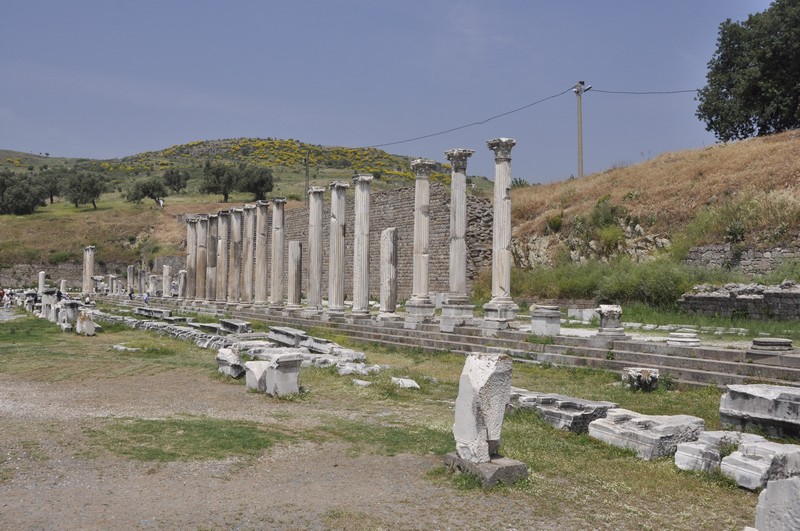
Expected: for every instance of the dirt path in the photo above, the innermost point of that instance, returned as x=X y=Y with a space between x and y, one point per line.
x=49 y=482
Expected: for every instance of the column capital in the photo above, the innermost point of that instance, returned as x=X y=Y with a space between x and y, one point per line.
x=261 y=202
x=248 y=207
x=224 y=213
x=192 y=220
x=316 y=190
x=501 y=147
x=458 y=158
x=89 y=248
x=362 y=178
x=423 y=167
x=278 y=201
x=338 y=184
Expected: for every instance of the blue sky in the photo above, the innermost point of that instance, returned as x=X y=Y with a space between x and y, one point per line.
x=110 y=78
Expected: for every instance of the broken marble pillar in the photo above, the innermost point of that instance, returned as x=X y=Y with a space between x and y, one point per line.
x=640 y=378
x=483 y=392
x=294 y=286
x=705 y=454
x=563 y=412
x=69 y=311
x=229 y=363
x=756 y=463
x=683 y=338
x=546 y=321
x=650 y=436
x=405 y=383
x=611 y=328
x=769 y=349
x=236 y=326
x=84 y=325
x=777 y=508
x=388 y=307
x=284 y=335
x=773 y=408
x=282 y=375
x=254 y=375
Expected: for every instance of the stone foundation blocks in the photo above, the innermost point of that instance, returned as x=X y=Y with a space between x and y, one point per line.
x=562 y=412
x=756 y=463
x=773 y=408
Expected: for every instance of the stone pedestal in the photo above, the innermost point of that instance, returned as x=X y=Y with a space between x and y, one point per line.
x=769 y=350
x=610 y=327
x=278 y=238
x=315 y=227
x=419 y=308
x=336 y=260
x=501 y=310
x=295 y=277
x=497 y=470
x=546 y=321
x=683 y=339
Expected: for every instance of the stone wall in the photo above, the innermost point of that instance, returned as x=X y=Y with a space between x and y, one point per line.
x=749 y=301
x=748 y=261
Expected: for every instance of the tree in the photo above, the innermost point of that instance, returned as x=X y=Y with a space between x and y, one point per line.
x=20 y=194
x=218 y=179
x=50 y=180
x=81 y=188
x=256 y=180
x=176 y=180
x=753 y=80
x=151 y=187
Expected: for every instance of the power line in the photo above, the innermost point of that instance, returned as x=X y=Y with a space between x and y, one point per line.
x=645 y=92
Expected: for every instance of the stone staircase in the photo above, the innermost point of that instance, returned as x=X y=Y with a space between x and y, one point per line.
x=688 y=365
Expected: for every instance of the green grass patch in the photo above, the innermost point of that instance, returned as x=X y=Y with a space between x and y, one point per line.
x=390 y=440
x=184 y=439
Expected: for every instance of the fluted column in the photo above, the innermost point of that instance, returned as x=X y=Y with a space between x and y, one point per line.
x=248 y=245
x=278 y=236
x=261 y=250
x=419 y=307
x=456 y=308
x=388 y=307
x=501 y=310
x=202 y=258
x=211 y=257
x=315 y=198
x=361 y=246
x=223 y=230
x=235 y=256
x=88 y=270
x=129 y=283
x=182 y=283
x=295 y=275
x=166 y=280
x=191 y=257
x=338 y=228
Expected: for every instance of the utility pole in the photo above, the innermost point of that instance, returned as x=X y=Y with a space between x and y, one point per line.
x=308 y=184
x=579 y=89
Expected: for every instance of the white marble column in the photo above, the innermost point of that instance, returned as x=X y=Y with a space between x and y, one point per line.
x=191 y=257
x=211 y=257
x=419 y=308
x=248 y=246
x=202 y=258
x=166 y=281
x=336 y=259
x=129 y=283
x=456 y=308
x=278 y=237
x=151 y=285
x=388 y=307
x=295 y=275
x=361 y=246
x=235 y=256
x=315 y=227
x=87 y=286
x=261 y=250
x=223 y=230
x=501 y=310
x=182 y=283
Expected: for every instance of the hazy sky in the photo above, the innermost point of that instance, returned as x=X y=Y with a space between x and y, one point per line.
x=110 y=78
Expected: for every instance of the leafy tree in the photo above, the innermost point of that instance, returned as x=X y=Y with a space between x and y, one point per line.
x=19 y=193
x=50 y=180
x=218 y=179
x=81 y=188
x=753 y=80
x=151 y=187
x=256 y=180
x=176 y=180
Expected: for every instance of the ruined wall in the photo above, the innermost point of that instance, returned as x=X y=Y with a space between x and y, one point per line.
x=748 y=261
x=749 y=301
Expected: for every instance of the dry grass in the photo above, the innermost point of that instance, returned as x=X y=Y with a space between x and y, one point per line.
x=668 y=191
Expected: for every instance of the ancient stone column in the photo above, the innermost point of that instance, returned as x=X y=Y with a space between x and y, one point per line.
x=419 y=307
x=261 y=250
x=211 y=257
x=202 y=258
x=235 y=256
x=42 y=278
x=336 y=258
x=501 y=310
x=143 y=281
x=182 y=283
x=456 y=308
x=88 y=270
x=315 y=198
x=295 y=275
x=388 y=275
x=223 y=230
x=166 y=281
x=63 y=286
x=278 y=235
x=151 y=285
x=248 y=247
x=361 y=247
x=191 y=257
x=130 y=283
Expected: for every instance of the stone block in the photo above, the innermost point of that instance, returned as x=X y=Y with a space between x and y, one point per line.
x=254 y=375
x=282 y=376
x=229 y=363
x=546 y=321
x=563 y=412
x=756 y=463
x=704 y=454
x=405 y=383
x=484 y=390
x=361 y=383
x=651 y=436
x=236 y=326
x=490 y=473
x=773 y=408
x=640 y=378
x=777 y=508
x=84 y=325
x=284 y=335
